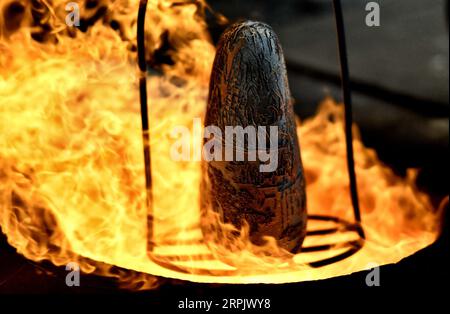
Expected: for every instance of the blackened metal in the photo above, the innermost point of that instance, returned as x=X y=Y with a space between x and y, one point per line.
x=144 y=117
x=342 y=226
x=338 y=258
x=347 y=95
x=327 y=247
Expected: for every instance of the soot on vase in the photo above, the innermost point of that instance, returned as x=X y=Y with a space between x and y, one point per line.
x=249 y=88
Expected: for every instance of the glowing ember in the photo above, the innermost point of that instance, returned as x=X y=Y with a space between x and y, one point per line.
x=71 y=165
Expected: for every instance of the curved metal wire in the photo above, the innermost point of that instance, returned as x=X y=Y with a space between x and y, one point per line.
x=347 y=95
x=144 y=118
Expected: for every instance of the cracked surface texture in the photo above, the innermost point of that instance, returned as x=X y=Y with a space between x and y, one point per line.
x=249 y=87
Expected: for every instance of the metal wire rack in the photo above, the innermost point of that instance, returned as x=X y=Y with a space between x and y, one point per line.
x=344 y=249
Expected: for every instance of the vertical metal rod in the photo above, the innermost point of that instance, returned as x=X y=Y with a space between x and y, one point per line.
x=346 y=89
x=144 y=117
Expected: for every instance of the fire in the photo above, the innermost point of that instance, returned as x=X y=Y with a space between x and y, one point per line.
x=71 y=167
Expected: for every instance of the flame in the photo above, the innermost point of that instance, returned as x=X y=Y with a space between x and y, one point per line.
x=71 y=167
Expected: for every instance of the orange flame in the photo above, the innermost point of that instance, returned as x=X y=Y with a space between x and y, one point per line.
x=71 y=164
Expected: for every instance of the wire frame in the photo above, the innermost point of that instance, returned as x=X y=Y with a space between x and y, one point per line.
x=190 y=264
